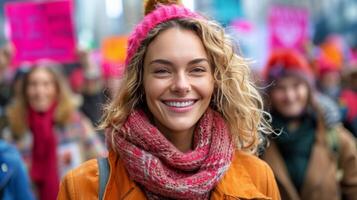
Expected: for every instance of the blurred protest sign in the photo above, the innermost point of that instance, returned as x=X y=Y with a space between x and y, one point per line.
x=288 y=27
x=41 y=30
x=113 y=55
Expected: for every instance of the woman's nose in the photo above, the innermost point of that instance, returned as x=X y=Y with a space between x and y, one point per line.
x=181 y=84
x=290 y=94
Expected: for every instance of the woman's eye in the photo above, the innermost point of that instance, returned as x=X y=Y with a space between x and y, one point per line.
x=161 y=71
x=198 y=69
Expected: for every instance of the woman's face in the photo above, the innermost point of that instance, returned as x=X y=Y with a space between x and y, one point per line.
x=290 y=96
x=178 y=81
x=330 y=83
x=41 y=90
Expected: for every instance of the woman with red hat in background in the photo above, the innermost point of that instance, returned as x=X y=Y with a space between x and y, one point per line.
x=310 y=158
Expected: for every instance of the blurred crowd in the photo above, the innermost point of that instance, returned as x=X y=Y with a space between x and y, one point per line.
x=311 y=102
x=49 y=112
x=331 y=72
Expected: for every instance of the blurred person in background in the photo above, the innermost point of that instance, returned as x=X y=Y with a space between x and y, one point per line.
x=93 y=87
x=48 y=130
x=5 y=79
x=329 y=62
x=348 y=97
x=15 y=90
x=14 y=180
x=311 y=159
x=328 y=78
x=185 y=122
x=89 y=79
x=17 y=79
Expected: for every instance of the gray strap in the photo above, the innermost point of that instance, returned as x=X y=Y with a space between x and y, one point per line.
x=103 y=175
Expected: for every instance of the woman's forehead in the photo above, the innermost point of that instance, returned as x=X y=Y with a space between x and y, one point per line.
x=176 y=44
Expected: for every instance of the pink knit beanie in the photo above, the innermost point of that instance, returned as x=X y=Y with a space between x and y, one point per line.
x=161 y=14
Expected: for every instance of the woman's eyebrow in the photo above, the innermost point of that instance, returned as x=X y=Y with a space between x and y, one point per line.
x=198 y=60
x=167 y=62
x=161 y=61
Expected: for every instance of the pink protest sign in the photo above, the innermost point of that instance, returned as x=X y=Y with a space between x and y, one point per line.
x=288 y=27
x=42 y=30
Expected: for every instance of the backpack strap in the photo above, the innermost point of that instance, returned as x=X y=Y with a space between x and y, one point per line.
x=104 y=170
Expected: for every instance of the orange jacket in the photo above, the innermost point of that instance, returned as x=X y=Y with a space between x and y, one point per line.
x=247 y=178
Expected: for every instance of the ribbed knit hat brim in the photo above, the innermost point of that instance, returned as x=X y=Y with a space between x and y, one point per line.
x=161 y=14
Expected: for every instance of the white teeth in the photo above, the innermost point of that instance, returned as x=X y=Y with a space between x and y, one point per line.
x=179 y=104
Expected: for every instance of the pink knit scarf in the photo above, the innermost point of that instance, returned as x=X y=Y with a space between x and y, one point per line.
x=165 y=172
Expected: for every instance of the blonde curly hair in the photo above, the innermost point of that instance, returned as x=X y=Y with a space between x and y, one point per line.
x=235 y=97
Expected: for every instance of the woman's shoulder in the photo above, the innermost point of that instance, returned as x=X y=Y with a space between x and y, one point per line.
x=253 y=176
x=259 y=171
x=344 y=134
x=84 y=179
x=86 y=171
x=340 y=140
x=9 y=152
x=88 y=168
x=249 y=161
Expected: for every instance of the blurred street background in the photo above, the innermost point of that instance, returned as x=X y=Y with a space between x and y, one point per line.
x=96 y=20
x=85 y=42
x=101 y=27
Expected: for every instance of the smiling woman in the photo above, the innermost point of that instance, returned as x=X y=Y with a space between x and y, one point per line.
x=41 y=90
x=186 y=121
x=178 y=84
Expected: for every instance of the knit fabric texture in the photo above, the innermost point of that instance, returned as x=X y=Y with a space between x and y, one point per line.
x=165 y=172
x=161 y=14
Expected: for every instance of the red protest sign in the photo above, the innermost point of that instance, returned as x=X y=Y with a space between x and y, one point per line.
x=42 y=30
